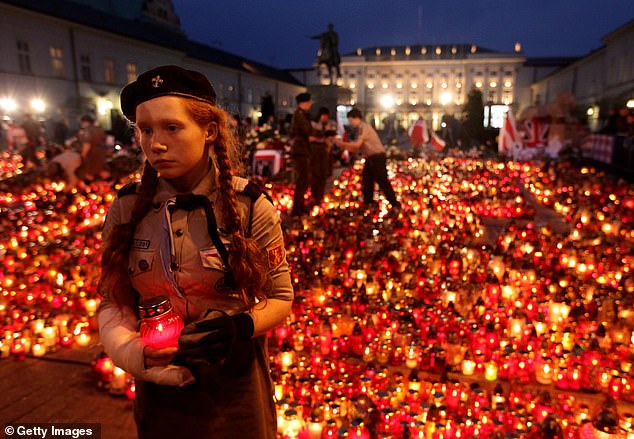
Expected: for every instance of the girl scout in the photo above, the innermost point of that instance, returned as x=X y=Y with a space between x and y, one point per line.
x=211 y=243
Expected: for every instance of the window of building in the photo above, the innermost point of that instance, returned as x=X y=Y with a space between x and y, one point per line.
x=24 y=57
x=131 y=71
x=84 y=67
x=108 y=71
x=220 y=90
x=57 y=61
x=507 y=98
x=249 y=95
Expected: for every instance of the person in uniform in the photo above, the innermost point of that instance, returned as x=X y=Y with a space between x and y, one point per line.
x=302 y=135
x=209 y=241
x=324 y=130
x=374 y=170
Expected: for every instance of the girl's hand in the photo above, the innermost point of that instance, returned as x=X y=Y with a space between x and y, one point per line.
x=158 y=357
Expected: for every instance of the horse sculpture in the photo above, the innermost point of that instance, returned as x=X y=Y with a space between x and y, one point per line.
x=329 y=53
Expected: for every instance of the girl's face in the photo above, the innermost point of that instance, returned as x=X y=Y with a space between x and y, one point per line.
x=174 y=143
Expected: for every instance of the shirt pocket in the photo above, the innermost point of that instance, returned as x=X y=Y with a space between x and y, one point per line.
x=210 y=259
x=141 y=261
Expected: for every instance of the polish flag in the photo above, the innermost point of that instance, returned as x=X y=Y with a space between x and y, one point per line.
x=437 y=142
x=418 y=134
x=509 y=138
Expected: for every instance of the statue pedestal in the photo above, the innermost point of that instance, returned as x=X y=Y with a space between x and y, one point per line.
x=329 y=96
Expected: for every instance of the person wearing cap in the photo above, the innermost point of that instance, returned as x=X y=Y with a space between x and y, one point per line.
x=302 y=135
x=374 y=170
x=212 y=244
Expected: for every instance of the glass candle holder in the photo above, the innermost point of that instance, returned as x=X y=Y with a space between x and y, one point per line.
x=160 y=324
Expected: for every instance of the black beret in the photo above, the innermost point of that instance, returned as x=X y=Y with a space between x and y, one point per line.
x=302 y=97
x=163 y=81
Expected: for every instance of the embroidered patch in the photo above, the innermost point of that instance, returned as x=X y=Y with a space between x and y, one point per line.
x=276 y=255
x=141 y=244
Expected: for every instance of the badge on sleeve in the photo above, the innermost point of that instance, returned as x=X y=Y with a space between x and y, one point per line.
x=276 y=254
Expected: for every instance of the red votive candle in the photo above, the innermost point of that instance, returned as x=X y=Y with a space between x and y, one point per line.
x=160 y=324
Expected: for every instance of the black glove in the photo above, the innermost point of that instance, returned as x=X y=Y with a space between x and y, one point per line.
x=214 y=338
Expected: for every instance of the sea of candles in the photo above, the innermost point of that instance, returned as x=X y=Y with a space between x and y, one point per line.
x=538 y=306
x=407 y=323
x=49 y=252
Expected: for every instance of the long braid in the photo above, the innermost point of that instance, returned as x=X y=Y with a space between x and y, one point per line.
x=246 y=259
x=114 y=280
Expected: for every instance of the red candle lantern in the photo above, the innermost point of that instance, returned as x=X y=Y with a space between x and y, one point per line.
x=358 y=430
x=160 y=324
x=130 y=390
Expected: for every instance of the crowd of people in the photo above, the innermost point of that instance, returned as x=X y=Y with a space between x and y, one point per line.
x=77 y=154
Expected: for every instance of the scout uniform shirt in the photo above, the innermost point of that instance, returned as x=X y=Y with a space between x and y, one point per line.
x=173 y=254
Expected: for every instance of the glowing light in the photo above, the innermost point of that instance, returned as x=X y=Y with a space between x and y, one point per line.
x=104 y=106
x=387 y=101
x=38 y=105
x=445 y=98
x=8 y=105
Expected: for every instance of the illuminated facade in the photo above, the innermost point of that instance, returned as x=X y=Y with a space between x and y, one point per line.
x=405 y=82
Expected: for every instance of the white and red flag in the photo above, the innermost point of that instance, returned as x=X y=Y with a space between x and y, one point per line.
x=418 y=134
x=509 y=139
x=437 y=142
x=536 y=132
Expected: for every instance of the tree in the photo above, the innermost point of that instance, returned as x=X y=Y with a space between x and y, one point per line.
x=267 y=108
x=474 y=109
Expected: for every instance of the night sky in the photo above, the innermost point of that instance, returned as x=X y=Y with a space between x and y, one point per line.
x=277 y=32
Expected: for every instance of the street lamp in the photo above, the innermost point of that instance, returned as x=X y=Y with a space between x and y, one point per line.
x=445 y=98
x=387 y=101
x=38 y=105
x=8 y=105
